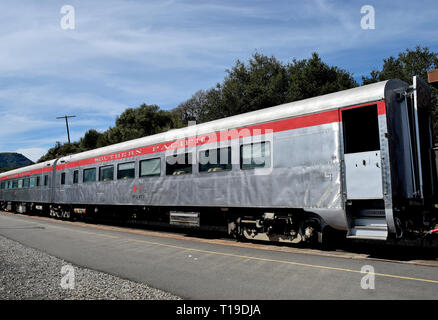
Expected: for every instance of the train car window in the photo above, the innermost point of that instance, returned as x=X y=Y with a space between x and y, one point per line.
x=2 y=185
x=32 y=182
x=10 y=184
x=89 y=175
x=75 y=176
x=360 y=129
x=255 y=155
x=20 y=184
x=179 y=164
x=150 y=167
x=106 y=173
x=38 y=181
x=63 y=178
x=215 y=160
x=126 y=170
x=26 y=183
x=46 y=180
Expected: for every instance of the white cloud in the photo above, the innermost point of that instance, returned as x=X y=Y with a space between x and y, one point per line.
x=49 y=99
x=14 y=124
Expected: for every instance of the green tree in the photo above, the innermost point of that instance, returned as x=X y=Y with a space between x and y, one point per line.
x=264 y=82
x=60 y=150
x=89 y=140
x=193 y=109
x=248 y=87
x=410 y=63
x=143 y=121
x=312 y=77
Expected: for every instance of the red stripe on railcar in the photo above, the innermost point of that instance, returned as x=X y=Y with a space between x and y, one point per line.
x=253 y=130
x=27 y=173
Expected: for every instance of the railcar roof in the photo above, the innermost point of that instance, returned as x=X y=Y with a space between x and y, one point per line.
x=364 y=94
x=359 y=95
x=35 y=166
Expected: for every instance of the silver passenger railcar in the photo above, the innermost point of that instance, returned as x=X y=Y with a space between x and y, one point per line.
x=358 y=160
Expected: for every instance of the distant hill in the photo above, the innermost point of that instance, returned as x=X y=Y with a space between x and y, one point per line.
x=12 y=160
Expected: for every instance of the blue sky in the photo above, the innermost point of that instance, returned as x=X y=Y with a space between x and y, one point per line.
x=125 y=53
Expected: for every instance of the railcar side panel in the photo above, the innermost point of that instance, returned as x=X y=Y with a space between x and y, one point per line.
x=305 y=173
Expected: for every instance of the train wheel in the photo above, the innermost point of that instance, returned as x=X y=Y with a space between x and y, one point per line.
x=311 y=230
x=66 y=214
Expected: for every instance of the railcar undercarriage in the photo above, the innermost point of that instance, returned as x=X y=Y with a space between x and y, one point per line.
x=290 y=227
x=270 y=226
x=253 y=224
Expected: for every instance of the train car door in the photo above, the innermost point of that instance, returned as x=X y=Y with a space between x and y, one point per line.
x=363 y=172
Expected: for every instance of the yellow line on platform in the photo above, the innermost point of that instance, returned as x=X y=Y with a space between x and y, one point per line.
x=283 y=261
x=249 y=257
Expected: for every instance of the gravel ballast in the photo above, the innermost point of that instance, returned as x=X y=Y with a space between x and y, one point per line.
x=30 y=274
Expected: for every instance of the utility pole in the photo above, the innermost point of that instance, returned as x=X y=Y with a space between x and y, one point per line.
x=66 y=123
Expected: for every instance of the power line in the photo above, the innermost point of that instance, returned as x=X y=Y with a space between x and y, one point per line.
x=66 y=123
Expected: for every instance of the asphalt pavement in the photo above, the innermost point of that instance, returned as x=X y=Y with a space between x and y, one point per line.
x=193 y=268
